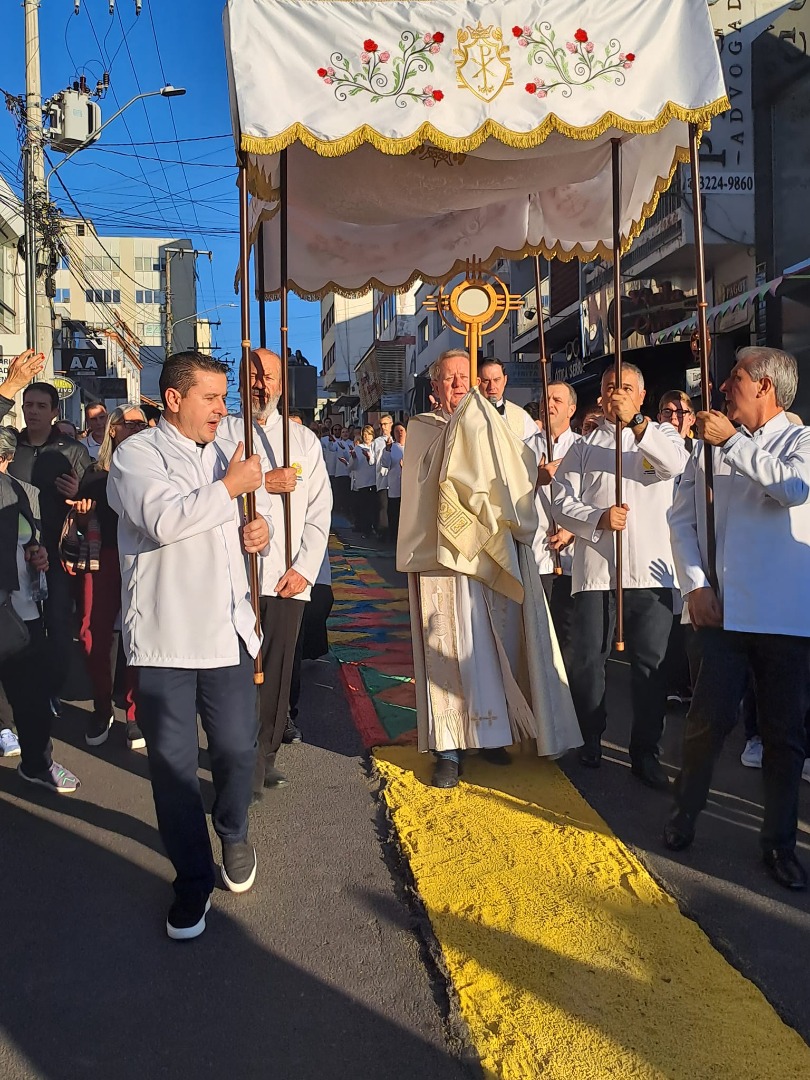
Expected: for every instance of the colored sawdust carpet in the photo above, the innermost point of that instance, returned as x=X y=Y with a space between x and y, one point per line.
x=569 y=961
x=370 y=634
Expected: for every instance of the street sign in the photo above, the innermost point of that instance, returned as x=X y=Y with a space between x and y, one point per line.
x=64 y=387
x=79 y=362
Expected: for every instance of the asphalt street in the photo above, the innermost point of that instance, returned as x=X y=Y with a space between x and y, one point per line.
x=318 y=972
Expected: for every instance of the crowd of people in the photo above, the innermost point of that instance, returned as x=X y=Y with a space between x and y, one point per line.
x=118 y=529
x=725 y=631
x=507 y=534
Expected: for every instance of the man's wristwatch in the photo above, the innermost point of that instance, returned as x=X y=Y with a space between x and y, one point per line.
x=637 y=420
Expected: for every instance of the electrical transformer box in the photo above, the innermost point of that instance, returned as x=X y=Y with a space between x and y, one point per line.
x=75 y=120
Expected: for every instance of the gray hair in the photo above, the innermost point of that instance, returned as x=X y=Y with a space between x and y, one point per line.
x=780 y=367
x=626 y=367
x=105 y=451
x=8 y=443
x=571 y=391
x=436 y=367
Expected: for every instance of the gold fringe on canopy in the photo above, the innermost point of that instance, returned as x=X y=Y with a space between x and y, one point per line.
x=490 y=129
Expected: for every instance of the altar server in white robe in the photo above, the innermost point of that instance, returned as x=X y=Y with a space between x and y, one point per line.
x=467 y=524
x=283 y=591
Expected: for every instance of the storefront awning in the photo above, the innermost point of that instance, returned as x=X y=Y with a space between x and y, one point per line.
x=714 y=313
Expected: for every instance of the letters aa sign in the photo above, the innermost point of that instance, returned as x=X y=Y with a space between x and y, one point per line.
x=87 y=363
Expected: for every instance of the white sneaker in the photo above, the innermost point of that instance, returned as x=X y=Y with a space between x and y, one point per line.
x=806 y=770
x=751 y=756
x=9 y=747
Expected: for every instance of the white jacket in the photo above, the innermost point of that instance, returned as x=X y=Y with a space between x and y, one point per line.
x=392 y=460
x=310 y=503
x=762 y=525
x=329 y=450
x=184 y=594
x=362 y=467
x=342 y=447
x=380 y=466
x=542 y=497
x=585 y=486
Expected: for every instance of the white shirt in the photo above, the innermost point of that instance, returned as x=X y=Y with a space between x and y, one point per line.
x=380 y=445
x=92 y=446
x=329 y=448
x=310 y=503
x=342 y=448
x=762 y=526
x=518 y=419
x=363 y=467
x=584 y=487
x=185 y=598
x=393 y=462
x=543 y=555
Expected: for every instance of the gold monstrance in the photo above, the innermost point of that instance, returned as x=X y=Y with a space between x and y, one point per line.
x=480 y=304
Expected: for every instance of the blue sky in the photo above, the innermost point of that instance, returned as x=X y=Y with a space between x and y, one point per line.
x=138 y=179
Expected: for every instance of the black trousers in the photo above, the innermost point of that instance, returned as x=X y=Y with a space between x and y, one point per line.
x=557 y=588
x=365 y=501
x=313 y=640
x=780 y=666
x=647 y=624
x=393 y=519
x=341 y=491
x=28 y=694
x=59 y=620
x=381 y=518
x=169 y=699
x=676 y=663
x=281 y=621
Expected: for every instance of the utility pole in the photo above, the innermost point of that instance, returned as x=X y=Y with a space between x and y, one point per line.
x=40 y=320
x=169 y=251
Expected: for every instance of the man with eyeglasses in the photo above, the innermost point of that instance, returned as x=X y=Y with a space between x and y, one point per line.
x=675 y=408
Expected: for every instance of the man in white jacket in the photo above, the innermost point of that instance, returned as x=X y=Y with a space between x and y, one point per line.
x=583 y=499
x=758 y=616
x=283 y=590
x=188 y=625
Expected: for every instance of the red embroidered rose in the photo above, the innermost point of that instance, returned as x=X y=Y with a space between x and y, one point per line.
x=322 y=73
x=438 y=95
x=517 y=31
x=369 y=45
x=530 y=87
x=581 y=36
x=438 y=38
x=631 y=57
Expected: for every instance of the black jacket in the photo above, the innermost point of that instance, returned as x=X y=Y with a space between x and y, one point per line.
x=16 y=499
x=40 y=466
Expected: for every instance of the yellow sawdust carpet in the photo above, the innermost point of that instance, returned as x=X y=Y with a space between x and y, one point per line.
x=568 y=959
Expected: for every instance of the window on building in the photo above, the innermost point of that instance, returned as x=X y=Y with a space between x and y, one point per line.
x=116 y=296
x=61 y=296
x=64 y=263
x=148 y=329
x=328 y=320
x=490 y=349
x=438 y=325
x=80 y=230
x=422 y=336
x=149 y=296
x=329 y=359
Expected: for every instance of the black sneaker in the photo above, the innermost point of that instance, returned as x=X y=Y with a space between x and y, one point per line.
x=292 y=734
x=273 y=778
x=135 y=739
x=238 y=866
x=186 y=919
x=97 y=730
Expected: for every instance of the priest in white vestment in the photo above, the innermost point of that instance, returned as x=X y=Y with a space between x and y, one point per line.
x=468 y=520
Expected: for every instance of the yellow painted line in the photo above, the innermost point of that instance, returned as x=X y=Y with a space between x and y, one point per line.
x=569 y=961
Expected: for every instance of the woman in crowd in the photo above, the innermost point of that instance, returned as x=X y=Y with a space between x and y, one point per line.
x=100 y=602
x=363 y=472
x=21 y=562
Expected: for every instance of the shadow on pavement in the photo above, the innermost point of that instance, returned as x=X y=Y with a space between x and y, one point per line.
x=94 y=988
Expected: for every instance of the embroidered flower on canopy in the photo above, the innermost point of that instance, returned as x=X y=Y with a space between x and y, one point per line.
x=576 y=63
x=412 y=57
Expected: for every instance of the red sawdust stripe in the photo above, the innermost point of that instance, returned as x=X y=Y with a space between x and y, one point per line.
x=363 y=712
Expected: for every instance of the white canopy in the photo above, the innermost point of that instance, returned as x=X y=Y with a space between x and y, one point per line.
x=422 y=133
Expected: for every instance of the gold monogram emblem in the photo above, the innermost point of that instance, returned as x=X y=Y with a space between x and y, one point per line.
x=482 y=61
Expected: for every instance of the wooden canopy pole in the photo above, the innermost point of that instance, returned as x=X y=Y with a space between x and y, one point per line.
x=285 y=350
x=543 y=360
x=247 y=401
x=617 y=358
x=703 y=333
x=261 y=288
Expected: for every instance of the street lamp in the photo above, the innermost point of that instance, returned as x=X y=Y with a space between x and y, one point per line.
x=167 y=91
x=196 y=314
